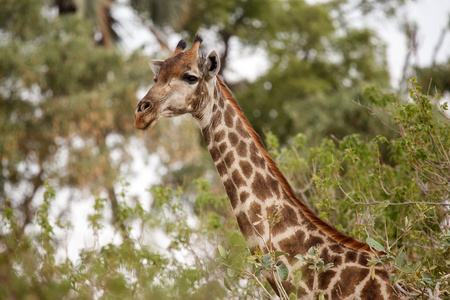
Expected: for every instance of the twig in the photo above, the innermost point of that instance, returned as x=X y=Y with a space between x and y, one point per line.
x=438 y=46
x=250 y=274
x=409 y=294
x=374 y=114
x=400 y=204
x=379 y=171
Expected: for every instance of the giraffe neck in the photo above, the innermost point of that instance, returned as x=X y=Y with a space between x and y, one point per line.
x=252 y=181
x=257 y=190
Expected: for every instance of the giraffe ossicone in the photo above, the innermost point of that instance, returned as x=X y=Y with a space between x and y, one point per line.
x=188 y=83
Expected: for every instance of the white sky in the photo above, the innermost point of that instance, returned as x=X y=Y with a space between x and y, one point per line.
x=431 y=17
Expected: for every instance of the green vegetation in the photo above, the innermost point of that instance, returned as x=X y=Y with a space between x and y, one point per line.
x=371 y=161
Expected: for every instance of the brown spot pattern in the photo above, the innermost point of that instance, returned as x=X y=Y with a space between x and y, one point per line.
x=221 y=168
x=234 y=139
x=242 y=149
x=311 y=242
x=215 y=154
x=336 y=260
x=206 y=134
x=255 y=210
x=255 y=158
x=351 y=256
x=369 y=292
x=350 y=277
x=241 y=129
x=219 y=136
x=274 y=185
x=309 y=225
x=290 y=244
x=246 y=168
x=330 y=258
x=229 y=159
x=325 y=279
x=223 y=147
x=228 y=116
x=237 y=178
x=336 y=248
x=362 y=260
x=221 y=102
x=381 y=272
x=216 y=119
x=230 y=188
x=309 y=278
x=243 y=196
x=288 y=219
x=244 y=224
x=259 y=187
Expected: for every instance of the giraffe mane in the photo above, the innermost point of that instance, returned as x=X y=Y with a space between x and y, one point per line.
x=326 y=228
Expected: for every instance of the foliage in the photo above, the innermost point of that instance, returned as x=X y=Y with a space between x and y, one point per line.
x=61 y=105
x=31 y=267
x=402 y=202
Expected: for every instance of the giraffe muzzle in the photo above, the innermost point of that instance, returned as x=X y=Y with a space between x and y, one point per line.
x=145 y=116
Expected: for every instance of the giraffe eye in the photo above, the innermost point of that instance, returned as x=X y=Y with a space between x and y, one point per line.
x=155 y=79
x=190 y=78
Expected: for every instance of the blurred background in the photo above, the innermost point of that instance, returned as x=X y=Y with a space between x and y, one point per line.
x=72 y=71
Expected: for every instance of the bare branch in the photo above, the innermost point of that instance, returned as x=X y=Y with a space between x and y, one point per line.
x=372 y=113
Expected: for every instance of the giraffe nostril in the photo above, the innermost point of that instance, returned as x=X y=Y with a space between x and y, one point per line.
x=145 y=106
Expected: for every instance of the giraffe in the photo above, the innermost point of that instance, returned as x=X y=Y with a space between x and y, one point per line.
x=188 y=83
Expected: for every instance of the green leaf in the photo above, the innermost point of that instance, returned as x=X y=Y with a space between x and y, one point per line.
x=279 y=253
x=380 y=207
x=292 y=296
x=406 y=270
x=226 y=283
x=320 y=264
x=312 y=251
x=231 y=272
x=428 y=280
x=223 y=253
x=328 y=266
x=266 y=257
x=322 y=296
x=372 y=262
x=374 y=244
x=283 y=271
x=251 y=259
x=417 y=266
x=372 y=273
x=300 y=257
x=297 y=278
x=400 y=259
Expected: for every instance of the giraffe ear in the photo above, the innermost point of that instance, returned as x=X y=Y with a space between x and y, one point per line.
x=212 y=65
x=155 y=65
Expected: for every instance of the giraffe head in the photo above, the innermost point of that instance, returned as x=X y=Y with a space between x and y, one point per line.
x=181 y=84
